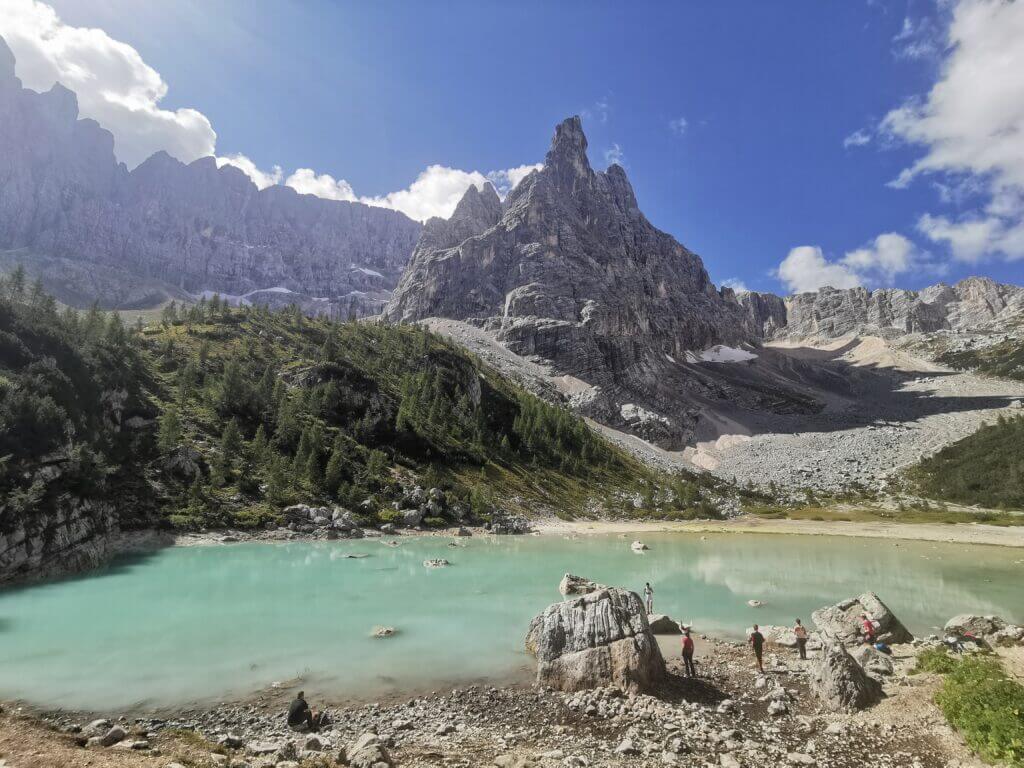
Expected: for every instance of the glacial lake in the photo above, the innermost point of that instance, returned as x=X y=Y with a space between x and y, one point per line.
x=208 y=623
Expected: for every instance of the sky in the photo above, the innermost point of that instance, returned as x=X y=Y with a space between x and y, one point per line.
x=791 y=145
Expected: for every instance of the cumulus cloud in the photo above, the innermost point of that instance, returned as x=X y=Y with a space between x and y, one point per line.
x=306 y=181
x=736 y=284
x=971 y=126
x=678 y=125
x=805 y=268
x=507 y=180
x=877 y=263
x=260 y=178
x=857 y=139
x=114 y=85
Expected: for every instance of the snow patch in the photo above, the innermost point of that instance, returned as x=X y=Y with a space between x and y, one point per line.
x=367 y=271
x=635 y=414
x=721 y=354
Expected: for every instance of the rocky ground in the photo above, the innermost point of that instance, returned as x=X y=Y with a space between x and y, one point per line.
x=730 y=716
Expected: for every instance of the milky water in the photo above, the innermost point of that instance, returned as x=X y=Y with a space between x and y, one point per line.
x=188 y=624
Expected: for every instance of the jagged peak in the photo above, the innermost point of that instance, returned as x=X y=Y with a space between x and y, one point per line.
x=478 y=204
x=567 y=158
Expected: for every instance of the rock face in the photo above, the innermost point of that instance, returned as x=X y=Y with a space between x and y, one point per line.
x=842 y=621
x=176 y=228
x=601 y=638
x=972 y=303
x=841 y=683
x=577 y=585
x=569 y=270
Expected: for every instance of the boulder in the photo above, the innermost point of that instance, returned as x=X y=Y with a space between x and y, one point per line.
x=873 y=661
x=411 y=517
x=842 y=620
x=661 y=624
x=185 y=463
x=577 y=585
x=383 y=632
x=436 y=562
x=601 y=638
x=463 y=531
x=112 y=736
x=978 y=626
x=368 y=752
x=840 y=682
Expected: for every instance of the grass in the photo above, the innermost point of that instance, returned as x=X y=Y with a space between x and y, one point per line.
x=985 y=706
x=919 y=513
x=934 y=660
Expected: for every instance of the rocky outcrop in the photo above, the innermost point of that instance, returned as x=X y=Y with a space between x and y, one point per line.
x=842 y=621
x=176 y=228
x=578 y=585
x=840 y=682
x=601 y=638
x=973 y=303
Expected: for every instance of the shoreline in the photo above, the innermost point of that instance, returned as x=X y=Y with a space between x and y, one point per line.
x=945 y=533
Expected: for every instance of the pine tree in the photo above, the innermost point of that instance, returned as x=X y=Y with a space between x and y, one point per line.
x=335 y=472
x=259 y=448
x=169 y=435
x=231 y=442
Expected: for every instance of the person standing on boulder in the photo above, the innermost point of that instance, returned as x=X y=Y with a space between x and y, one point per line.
x=691 y=670
x=757 y=643
x=869 y=629
x=801 y=638
x=649 y=598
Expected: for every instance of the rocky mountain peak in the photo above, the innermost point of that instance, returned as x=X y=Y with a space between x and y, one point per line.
x=567 y=157
x=479 y=205
x=6 y=63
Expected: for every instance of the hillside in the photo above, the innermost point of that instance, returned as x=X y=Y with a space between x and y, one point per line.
x=223 y=416
x=985 y=468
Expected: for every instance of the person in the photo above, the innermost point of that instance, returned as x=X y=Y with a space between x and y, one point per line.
x=301 y=717
x=691 y=670
x=801 y=638
x=868 y=629
x=649 y=597
x=757 y=643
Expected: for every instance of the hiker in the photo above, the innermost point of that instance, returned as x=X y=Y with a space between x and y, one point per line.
x=757 y=643
x=691 y=670
x=302 y=718
x=801 y=638
x=649 y=598
x=868 y=629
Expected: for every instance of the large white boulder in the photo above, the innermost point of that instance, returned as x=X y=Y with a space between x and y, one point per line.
x=601 y=638
x=577 y=585
x=842 y=620
x=840 y=682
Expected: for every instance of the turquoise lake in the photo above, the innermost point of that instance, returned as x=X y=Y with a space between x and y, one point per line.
x=204 y=623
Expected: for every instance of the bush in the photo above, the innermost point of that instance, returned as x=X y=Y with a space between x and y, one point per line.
x=936 y=660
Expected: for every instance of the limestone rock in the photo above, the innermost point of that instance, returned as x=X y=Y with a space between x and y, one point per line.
x=842 y=621
x=839 y=681
x=577 y=585
x=661 y=624
x=873 y=661
x=978 y=626
x=368 y=752
x=601 y=638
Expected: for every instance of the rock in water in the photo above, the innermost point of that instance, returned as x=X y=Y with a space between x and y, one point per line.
x=661 y=624
x=840 y=683
x=601 y=638
x=842 y=620
x=578 y=585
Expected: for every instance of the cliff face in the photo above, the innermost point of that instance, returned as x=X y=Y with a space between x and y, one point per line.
x=570 y=270
x=968 y=305
x=195 y=227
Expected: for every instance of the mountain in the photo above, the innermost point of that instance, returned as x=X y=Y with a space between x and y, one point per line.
x=175 y=229
x=569 y=270
x=973 y=304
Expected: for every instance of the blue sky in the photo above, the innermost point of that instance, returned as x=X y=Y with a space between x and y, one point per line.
x=733 y=119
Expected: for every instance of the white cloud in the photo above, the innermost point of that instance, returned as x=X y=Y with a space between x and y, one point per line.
x=260 y=178
x=306 y=181
x=971 y=125
x=857 y=139
x=436 y=192
x=114 y=85
x=507 y=180
x=736 y=284
x=877 y=263
x=805 y=268
x=918 y=39
x=678 y=126
x=614 y=155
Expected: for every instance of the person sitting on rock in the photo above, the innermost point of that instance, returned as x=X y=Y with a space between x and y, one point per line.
x=868 y=629
x=801 y=638
x=757 y=643
x=302 y=718
x=691 y=670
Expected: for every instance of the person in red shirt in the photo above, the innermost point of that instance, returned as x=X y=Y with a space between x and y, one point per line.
x=691 y=670
x=869 y=629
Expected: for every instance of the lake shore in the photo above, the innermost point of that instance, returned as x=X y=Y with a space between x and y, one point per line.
x=957 y=533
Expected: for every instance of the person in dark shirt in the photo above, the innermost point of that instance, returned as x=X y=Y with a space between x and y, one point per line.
x=757 y=643
x=300 y=716
x=691 y=670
